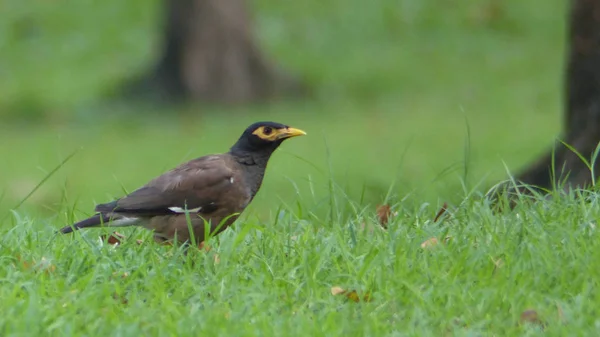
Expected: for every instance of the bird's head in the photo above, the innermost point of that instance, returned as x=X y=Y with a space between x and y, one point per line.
x=264 y=138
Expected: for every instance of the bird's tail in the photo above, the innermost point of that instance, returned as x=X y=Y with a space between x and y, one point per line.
x=93 y=221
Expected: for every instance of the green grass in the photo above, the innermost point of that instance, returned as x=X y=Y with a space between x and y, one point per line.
x=275 y=277
x=415 y=102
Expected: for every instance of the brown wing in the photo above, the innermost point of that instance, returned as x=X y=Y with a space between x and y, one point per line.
x=199 y=183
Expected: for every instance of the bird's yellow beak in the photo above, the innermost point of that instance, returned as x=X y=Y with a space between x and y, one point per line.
x=289 y=133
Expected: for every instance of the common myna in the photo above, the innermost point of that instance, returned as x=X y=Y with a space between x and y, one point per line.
x=213 y=190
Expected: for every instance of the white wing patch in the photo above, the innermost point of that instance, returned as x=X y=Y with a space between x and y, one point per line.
x=181 y=210
x=123 y=222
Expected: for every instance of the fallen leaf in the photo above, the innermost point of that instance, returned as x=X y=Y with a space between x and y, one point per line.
x=217 y=259
x=430 y=243
x=383 y=215
x=113 y=239
x=441 y=212
x=531 y=316
x=205 y=247
x=337 y=291
x=351 y=295
x=25 y=264
x=124 y=275
x=44 y=265
x=497 y=264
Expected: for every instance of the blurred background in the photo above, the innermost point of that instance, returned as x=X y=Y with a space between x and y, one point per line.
x=414 y=99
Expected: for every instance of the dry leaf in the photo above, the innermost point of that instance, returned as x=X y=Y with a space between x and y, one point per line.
x=351 y=295
x=25 y=264
x=497 y=264
x=383 y=215
x=44 y=265
x=430 y=243
x=441 y=212
x=531 y=316
x=113 y=239
x=139 y=242
x=124 y=275
x=205 y=247
x=217 y=259
x=337 y=291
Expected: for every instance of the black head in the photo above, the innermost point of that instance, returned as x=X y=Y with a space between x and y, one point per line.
x=264 y=138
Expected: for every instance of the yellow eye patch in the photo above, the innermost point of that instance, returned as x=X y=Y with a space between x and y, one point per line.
x=268 y=133
x=271 y=134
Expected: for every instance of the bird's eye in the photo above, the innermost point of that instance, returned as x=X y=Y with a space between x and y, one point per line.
x=267 y=130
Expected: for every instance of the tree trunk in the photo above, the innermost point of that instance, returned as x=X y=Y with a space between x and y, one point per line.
x=582 y=105
x=210 y=54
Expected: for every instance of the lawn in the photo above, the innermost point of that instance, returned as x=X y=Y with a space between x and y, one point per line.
x=276 y=278
x=415 y=103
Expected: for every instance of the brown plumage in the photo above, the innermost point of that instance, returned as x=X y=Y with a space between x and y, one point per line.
x=213 y=189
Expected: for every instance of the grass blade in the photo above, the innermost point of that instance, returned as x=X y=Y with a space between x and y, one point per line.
x=48 y=176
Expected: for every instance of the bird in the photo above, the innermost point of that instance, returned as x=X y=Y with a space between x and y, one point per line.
x=202 y=196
